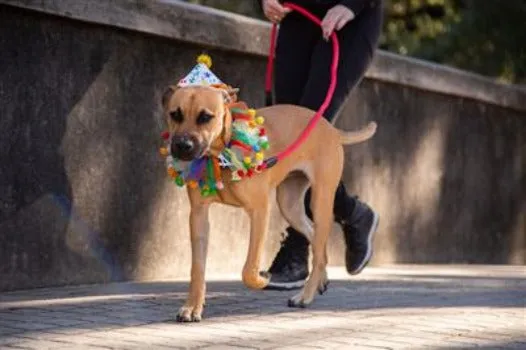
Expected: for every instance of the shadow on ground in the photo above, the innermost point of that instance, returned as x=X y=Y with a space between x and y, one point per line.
x=434 y=307
x=141 y=303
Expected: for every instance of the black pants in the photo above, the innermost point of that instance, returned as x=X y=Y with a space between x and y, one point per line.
x=303 y=60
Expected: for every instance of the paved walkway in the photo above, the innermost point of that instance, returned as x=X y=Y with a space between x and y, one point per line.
x=410 y=307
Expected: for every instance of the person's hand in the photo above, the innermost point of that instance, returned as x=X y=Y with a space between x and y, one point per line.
x=274 y=11
x=335 y=19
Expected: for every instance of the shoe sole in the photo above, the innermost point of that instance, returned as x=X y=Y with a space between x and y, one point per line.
x=285 y=285
x=369 y=252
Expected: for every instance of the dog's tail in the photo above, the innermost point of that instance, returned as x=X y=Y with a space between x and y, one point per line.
x=357 y=136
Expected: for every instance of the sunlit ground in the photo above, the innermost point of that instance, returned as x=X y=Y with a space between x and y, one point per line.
x=387 y=307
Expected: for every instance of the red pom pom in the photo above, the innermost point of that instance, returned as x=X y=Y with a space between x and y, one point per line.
x=165 y=135
x=240 y=173
x=250 y=172
x=262 y=132
x=259 y=168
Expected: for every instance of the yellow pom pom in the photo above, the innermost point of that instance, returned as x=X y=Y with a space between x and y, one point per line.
x=259 y=156
x=260 y=120
x=205 y=59
x=163 y=151
x=252 y=113
x=252 y=124
x=247 y=160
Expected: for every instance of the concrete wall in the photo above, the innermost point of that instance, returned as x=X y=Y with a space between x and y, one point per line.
x=83 y=193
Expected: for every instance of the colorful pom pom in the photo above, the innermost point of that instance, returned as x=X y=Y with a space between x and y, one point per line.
x=165 y=135
x=252 y=113
x=172 y=173
x=192 y=184
x=247 y=160
x=259 y=156
x=205 y=59
x=163 y=151
x=179 y=181
x=260 y=120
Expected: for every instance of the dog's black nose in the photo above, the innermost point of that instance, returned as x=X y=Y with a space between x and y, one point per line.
x=184 y=147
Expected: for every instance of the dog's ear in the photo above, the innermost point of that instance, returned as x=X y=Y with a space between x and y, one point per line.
x=232 y=93
x=228 y=96
x=227 y=126
x=229 y=93
x=167 y=95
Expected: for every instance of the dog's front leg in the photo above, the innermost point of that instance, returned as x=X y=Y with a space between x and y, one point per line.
x=199 y=228
x=259 y=219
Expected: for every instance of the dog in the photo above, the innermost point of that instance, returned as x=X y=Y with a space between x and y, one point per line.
x=199 y=122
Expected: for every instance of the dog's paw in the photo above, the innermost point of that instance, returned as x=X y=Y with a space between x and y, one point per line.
x=189 y=314
x=322 y=288
x=299 y=301
x=254 y=279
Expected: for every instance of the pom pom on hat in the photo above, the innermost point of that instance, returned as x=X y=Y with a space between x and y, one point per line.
x=200 y=75
x=205 y=59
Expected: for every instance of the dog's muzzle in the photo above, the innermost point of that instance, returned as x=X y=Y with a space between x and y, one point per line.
x=185 y=147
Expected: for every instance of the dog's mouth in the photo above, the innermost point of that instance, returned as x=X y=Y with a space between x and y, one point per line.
x=189 y=156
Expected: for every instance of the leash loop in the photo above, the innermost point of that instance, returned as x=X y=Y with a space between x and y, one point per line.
x=269 y=162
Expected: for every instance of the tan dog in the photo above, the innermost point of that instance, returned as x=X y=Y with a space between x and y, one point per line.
x=199 y=121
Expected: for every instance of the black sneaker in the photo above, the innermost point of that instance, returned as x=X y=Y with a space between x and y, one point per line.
x=358 y=232
x=290 y=269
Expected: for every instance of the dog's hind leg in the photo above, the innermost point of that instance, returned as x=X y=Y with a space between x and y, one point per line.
x=192 y=310
x=323 y=190
x=290 y=197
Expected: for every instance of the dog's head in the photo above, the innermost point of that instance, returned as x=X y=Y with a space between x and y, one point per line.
x=198 y=120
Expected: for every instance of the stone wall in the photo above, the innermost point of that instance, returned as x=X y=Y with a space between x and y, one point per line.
x=83 y=193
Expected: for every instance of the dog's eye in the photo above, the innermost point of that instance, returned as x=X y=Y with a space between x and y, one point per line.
x=177 y=115
x=203 y=118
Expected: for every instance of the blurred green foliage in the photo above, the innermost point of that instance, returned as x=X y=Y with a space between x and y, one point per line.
x=483 y=36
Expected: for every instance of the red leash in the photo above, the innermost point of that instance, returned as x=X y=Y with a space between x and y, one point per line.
x=332 y=85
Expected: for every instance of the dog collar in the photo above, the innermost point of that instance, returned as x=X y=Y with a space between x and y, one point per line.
x=243 y=156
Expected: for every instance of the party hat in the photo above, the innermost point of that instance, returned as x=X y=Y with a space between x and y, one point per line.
x=201 y=74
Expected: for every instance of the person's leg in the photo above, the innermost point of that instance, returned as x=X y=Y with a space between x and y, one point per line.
x=294 y=47
x=358 y=220
x=295 y=44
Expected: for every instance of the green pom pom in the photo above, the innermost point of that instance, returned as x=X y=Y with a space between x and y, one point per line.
x=264 y=145
x=179 y=181
x=205 y=192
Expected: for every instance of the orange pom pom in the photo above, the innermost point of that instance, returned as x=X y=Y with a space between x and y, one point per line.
x=163 y=151
x=172 y=172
